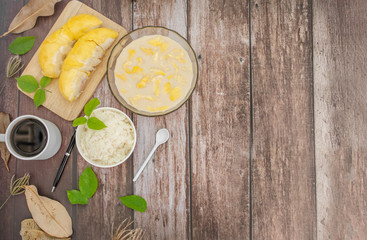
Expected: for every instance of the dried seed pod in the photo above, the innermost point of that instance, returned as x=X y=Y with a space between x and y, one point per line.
x=4 y=122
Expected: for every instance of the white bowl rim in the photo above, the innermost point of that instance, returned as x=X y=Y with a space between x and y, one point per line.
x=116 y=164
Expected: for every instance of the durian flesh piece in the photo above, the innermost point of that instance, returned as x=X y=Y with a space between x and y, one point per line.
x=54 y=49
x=82 y=59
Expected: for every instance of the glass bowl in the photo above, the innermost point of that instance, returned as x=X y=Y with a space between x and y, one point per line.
x=138 y=33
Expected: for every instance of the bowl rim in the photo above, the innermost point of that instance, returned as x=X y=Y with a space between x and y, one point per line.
x=116 y=164
x=189 y=93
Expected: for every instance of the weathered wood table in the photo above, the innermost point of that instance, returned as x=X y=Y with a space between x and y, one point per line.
x=272 y=144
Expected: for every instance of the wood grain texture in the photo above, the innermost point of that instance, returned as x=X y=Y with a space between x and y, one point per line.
x=219 y=33
x=54 y=100
x=164 y=182
x=117 y=181
x=42 y=172
x=340 y=54
x=105 y=209
x=8 y=104
x=283 y=147
x=305 y=184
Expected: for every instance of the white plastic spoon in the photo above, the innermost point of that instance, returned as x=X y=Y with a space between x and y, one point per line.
x=161 y=137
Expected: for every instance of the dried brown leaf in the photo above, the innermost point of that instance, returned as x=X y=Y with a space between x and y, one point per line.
x=30 y=230
x=4 y=123
x=27 y=16
x=50 y=215
x=33 y=234
x=28 y=224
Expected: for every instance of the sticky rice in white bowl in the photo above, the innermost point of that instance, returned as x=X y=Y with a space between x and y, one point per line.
x=109 y=146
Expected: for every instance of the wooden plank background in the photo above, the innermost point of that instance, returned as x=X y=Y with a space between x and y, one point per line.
x=283 y=149
x=165 y=182
x=220 y=120
x=270 y=146
x=340 y=53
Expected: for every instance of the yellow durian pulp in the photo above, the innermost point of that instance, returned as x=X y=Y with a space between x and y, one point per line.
x=81 y=24
x=55 y=47
x=82 y=59
x=69 y=88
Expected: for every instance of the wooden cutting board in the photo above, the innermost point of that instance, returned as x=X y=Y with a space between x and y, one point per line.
x=54 y=100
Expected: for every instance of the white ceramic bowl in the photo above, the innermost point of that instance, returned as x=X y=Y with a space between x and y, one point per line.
x=105 y=166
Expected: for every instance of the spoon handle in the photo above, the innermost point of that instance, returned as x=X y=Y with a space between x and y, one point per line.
x=145 y=163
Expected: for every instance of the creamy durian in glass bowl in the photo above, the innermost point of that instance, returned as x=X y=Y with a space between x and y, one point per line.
x=152 y=71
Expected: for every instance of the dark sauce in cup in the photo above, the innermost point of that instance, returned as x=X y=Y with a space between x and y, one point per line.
x=29 y=137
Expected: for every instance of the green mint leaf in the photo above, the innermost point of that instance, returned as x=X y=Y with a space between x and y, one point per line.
x=45 y=81
x=76 y=197
x=21 y=45
x=95 y=124
x=88 y=182
x=39 y=97
x=27 y=83
x=79 y=121
x=90 y=106
x=134 y=202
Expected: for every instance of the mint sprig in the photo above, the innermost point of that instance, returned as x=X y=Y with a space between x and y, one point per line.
x=21 y=45
x=79 y=121
x=90 y=106
x=88 y=184
x=92 y=122
x=29 y=84
x=134 y=202
x=39 y=97
x=44 y=81
x=95 y=123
